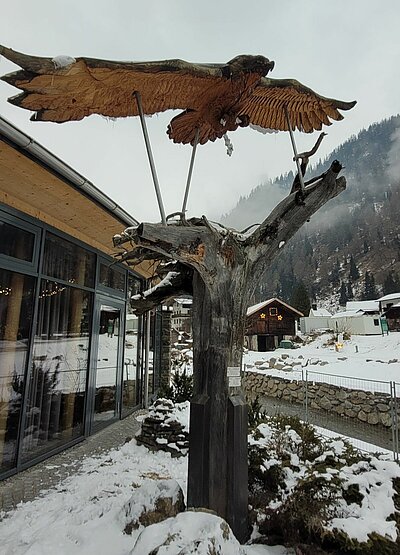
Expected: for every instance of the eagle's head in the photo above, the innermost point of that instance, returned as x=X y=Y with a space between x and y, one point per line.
x=245 y=63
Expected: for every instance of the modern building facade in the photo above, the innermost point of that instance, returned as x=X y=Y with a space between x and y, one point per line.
x=71 y=350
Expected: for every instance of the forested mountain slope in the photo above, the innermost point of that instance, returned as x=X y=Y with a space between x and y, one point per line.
x=351 y=248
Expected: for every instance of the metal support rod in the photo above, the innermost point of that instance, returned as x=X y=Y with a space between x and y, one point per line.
x=306 y=395
x=189 y=177
x=395 y=424
x=392 y=408
x=150 y=157
x=147 y=361
x=294 y=149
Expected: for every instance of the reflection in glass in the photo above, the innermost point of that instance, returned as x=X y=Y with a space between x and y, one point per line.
x=107 y=364
x=131 y=374
x=111 y=277
x=16 y=306
x=67 y=261
x=16 y=242
x=57 y=381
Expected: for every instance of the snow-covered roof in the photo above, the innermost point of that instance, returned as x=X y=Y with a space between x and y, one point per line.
x=255 y=308
x=390 y=297
x=397 y=305
x=351 y=314
x=181 y=300
x=365 y=306
x=348 y=314
x=319 y=312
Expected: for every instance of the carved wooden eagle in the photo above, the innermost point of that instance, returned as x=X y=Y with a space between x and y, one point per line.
x=215 y=98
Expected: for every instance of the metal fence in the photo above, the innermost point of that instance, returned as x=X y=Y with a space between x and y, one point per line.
x=366 y=411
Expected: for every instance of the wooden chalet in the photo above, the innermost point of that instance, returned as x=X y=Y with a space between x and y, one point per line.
x=268 y=323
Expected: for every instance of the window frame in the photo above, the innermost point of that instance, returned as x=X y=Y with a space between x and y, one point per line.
x=101 y=259
x=13 y=263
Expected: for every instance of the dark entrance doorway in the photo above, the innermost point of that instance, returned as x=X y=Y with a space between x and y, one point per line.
x=265 y=343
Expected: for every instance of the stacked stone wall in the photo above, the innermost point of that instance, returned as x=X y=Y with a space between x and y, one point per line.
x=367 y=406
x=160 y=432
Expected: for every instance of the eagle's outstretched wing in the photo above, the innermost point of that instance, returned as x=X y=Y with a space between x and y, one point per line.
x=215 y=98
x=307 y=110
x=90 y=86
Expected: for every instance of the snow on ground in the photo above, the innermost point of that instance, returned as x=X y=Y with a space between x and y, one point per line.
x=373 y=357
x=83 y=514
x=372 y=476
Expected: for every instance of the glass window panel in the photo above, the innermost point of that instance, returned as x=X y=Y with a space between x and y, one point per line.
x=16 y=242
x=112 y=277
x=134 y=285
x=107 y=364
x=57 y=382
x=131 y=371
x=67 y=261
x=16 y=308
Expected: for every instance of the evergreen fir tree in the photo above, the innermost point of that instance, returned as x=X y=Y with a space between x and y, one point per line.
x=366 y=246
x=391 y=283
x=343 y=294
x=370 y=293
x=308 y=249
x=335 y=280
x=354 y=274
x=350 y=294
x=300 y=299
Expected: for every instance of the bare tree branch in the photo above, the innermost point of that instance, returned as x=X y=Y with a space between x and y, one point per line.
x=174 y=284
x=288 y=216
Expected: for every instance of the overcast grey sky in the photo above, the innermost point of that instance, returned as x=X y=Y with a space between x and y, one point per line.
x=347 y=49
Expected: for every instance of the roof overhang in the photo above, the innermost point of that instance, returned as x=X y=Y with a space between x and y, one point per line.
x=39 y=184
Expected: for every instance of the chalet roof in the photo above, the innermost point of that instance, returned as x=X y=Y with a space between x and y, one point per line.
x=365 y=306
x=390 y=297
x=255 y=308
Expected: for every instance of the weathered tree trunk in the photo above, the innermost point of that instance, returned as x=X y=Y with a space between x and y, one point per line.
x=218 y=419
x=221 y=270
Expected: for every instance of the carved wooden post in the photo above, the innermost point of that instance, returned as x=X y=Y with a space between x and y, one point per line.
x=221 y=270
x=218 y=420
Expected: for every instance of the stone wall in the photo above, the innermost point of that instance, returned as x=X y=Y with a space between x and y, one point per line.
x=366 y=406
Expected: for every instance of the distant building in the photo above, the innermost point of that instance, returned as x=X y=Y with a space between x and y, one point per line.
x=318 y=319
x=181 y=319
x=390 y=308
x=357 y=322
x=269 y=322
